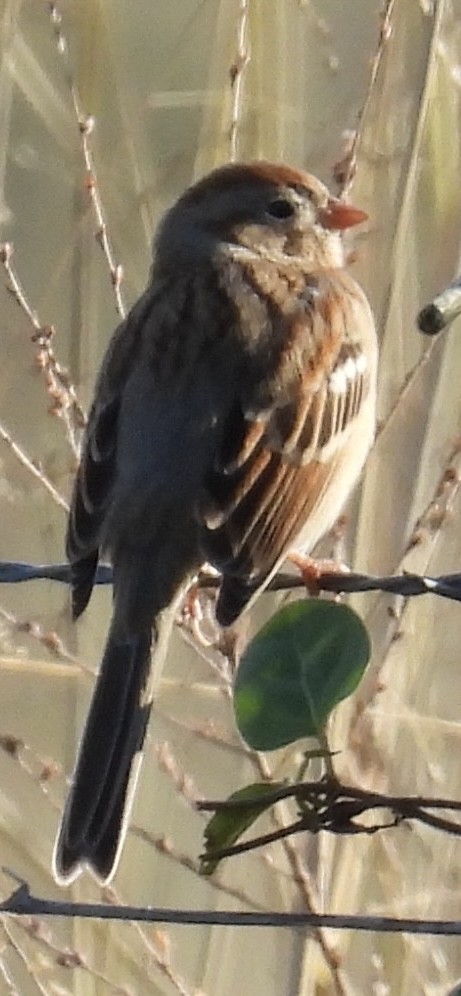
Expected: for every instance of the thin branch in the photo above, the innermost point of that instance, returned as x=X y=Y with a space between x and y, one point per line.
x=86 y=127
x=329 y=789
x=32 y=970
x=442 y=500
x=30 y=466
x=165 y=846
x=159 y=948
x=10 y=987
x=346 y=173
x=64 y=401
x=41 y=770
x=236 y=75
x=47 y=638
x=67 y=958
x=327 y=805
x=405 y=389
x=303 y=877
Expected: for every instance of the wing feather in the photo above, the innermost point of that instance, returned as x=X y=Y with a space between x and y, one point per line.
x=91 y=496
x=292 y=450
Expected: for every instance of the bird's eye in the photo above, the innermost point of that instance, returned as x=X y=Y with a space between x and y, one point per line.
x=280 y=208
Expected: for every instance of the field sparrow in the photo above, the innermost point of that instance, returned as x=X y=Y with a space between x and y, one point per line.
x=232 y=415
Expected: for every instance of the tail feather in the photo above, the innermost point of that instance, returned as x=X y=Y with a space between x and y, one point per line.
x=91 y=830
x=96 y=813
x=107 y=846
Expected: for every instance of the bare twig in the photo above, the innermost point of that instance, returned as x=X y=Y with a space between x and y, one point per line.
x=23 y=956
x=10 y=987
x=165 y=846
x=405 y=389
x=236 y=75
x=346 y=174
x=170 y=766
x=29 y=465
x=159 y=948
x=86 y=125
x=59 y=386
x=67 y=958
x=47 y=638
x=41 y=770
x=303 y=879
x=441 y=502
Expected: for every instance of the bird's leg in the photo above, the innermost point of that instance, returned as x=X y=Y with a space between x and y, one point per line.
x=312 y=571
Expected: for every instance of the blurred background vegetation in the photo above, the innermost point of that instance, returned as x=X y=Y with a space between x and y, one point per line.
x=176 y=87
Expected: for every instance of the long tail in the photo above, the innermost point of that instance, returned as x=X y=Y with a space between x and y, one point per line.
x=96 y=814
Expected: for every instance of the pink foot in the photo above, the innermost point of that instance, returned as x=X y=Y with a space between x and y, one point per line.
x=312 y=571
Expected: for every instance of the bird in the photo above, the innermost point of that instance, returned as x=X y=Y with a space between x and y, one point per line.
x=232 y=416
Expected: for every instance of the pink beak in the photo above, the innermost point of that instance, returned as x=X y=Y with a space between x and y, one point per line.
x=338 y=215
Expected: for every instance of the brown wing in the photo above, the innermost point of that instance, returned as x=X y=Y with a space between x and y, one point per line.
x=275 y=468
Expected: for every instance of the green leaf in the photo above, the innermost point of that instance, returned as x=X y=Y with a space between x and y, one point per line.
x=226 y=826
x=308 y=657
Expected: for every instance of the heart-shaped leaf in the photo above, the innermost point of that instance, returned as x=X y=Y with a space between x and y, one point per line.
x=308 y=657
